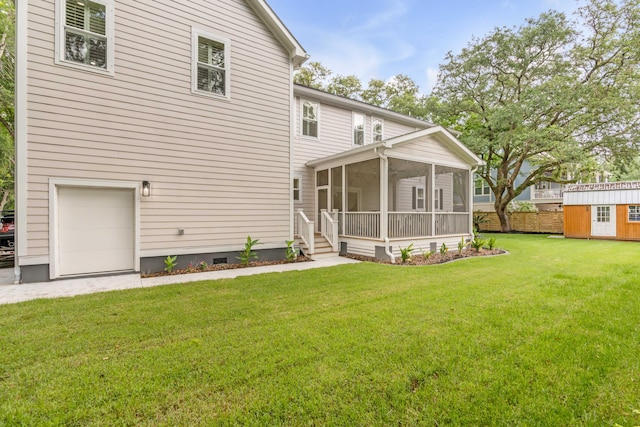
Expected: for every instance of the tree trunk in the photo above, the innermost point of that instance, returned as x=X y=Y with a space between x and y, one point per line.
x=501 y=211
x=5 y=198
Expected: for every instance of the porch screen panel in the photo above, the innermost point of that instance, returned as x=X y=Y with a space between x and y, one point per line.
x=362 y=217
x=336 y=195
x=409 y=183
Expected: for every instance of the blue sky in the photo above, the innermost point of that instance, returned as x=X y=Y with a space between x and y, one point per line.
x=382 y=38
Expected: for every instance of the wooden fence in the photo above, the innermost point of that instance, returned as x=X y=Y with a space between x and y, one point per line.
x=526 y=222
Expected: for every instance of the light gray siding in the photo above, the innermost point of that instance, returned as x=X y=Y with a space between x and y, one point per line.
x=334 y=136
x=218 y=168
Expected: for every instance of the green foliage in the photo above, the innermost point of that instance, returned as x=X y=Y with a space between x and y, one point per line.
x=462 y=245
x=247 y=255
x=522 y=206
x=405 y=254
x=7 y=109
x=478 y=220
x=443 y=249
x=338 y=346
x=170 y=263
x=291 y=252
x=313 y=74
x=491 y=243
x=553 y=92
x=202 y=265
x=477 y=243
x=426 y=253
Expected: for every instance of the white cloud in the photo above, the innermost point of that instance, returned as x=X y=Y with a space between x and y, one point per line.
x=432 y=79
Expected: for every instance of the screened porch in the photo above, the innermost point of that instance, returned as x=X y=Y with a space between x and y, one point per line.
x=393 y=198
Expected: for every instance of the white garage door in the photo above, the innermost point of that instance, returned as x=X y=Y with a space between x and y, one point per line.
x=95 y=230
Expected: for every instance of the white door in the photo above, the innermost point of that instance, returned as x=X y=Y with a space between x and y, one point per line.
x=96 y=229
x=603 y=220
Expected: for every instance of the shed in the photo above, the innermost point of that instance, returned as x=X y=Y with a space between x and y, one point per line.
x=608 y=210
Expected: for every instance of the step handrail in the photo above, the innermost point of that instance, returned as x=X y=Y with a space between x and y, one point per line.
x=305 y=231
x=330 y=228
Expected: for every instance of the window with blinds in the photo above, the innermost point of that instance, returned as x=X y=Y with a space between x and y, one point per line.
x=85 y=33
x=211 y=67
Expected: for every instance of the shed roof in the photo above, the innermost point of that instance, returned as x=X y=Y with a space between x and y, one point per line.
x=604 y=193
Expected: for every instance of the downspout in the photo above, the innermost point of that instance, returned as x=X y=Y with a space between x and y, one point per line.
x=384 y=185
x=471 y=194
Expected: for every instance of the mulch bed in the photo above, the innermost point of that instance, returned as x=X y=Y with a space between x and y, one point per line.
x=218 y=267
x=436 y=258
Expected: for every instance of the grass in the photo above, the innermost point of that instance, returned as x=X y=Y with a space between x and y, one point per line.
x=548 y=335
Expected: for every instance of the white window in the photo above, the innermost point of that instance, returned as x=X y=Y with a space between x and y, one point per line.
x=377 y=128
x=603 y=214
x=418 y=198
x=210 y=64
x=297 y=189
x=634 y=213
x=481 y=187
x=310 y=119
x=84 y=34
x=438 y=199
x=358 y=129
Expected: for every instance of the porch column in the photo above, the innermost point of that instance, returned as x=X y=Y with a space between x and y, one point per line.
x=384 y=195
x=471 y=190
x=432 y=198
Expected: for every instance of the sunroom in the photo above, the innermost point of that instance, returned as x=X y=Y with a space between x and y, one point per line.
x=412 y=189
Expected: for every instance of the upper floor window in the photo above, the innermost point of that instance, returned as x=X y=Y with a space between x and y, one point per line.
x=481 y=187
x=358 y=129
x=84 y=34
x=377 y=130
x=310 y=119
x=210 y=64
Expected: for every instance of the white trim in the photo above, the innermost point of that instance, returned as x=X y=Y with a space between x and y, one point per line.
x=21 y=133
x=206 y=249
x=54 y=270
x=317 y=104
x=34 y=260
x=195 y=33
x=59 y=58
x=297 y=53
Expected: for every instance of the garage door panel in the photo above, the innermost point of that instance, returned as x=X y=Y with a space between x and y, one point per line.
x=96 y=230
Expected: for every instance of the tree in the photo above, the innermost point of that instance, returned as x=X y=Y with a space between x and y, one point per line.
x=400 y=94
x=7 y=95
x=313 y=75
x=552 y=92
x=346 y=86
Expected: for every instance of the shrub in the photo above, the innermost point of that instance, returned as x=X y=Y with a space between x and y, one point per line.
x=291 y=253
x=427 y=253
x=170 y=263
x=492 y=243
x=405 y=254
x=443 y=249
x=247 y=254
x=461 y=245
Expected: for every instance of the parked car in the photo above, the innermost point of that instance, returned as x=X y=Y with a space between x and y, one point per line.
x=7 y=230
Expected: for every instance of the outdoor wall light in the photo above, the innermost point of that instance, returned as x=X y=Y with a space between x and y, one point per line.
x=146 y=188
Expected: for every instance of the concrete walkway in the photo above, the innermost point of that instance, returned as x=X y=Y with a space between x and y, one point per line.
x=10 y=293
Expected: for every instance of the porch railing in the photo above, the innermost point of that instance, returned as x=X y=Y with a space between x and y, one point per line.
x=409 y=224
x=304 y=230
x=362 y=224
x=330 y=227
x=452 y=223
x=551 y=193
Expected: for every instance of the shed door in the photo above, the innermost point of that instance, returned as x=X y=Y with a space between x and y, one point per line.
x=603 y=221
x=95 y=230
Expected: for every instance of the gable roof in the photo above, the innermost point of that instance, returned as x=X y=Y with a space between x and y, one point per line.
x=296 y=52
x=352 y=104
x=439 y=132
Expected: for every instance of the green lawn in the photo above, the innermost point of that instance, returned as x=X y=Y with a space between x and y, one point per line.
x=548 y=335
